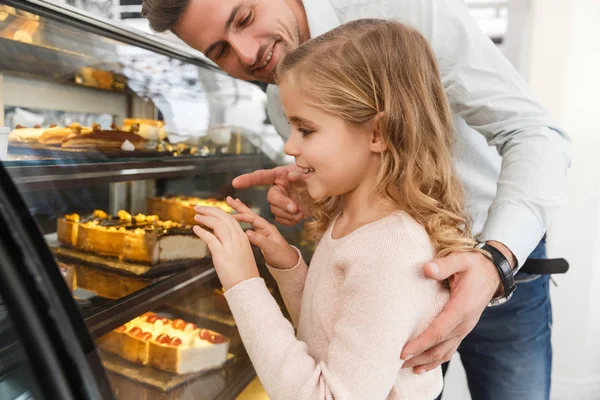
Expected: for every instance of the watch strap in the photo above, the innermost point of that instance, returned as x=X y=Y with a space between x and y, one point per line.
x=504 y=269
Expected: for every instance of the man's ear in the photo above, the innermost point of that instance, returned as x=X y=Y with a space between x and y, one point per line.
x=378 y=143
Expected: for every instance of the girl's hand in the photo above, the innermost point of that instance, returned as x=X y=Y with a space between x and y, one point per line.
x=231 y=251
x=276 y=250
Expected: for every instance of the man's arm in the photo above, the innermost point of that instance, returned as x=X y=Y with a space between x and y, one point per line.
x=488 y=93
x=493 y=99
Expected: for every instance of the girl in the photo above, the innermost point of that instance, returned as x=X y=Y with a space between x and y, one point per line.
x=372 y=134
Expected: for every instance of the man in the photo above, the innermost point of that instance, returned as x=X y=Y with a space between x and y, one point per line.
x=513 y=191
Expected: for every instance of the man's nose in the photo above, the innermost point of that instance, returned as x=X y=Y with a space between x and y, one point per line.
x=245 y=47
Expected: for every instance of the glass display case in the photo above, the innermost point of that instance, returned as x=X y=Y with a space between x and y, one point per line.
x=108 y=138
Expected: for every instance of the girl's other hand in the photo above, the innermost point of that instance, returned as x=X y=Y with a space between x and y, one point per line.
x=276 y=250
x=231 y=251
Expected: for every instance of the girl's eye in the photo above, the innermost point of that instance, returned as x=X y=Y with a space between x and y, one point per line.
x=304 y=132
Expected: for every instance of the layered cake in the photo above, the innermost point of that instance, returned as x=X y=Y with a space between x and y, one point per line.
x=56 y=136
x=98 y=138
x=141 y=238
x=175 y=346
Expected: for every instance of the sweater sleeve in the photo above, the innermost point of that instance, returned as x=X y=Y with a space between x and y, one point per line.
x=385 y=301
x=291 y=285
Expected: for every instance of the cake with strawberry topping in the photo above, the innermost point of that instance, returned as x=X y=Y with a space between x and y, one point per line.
x=175 y=346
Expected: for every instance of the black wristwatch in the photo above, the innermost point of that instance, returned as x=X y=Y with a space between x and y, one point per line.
x=506 y=273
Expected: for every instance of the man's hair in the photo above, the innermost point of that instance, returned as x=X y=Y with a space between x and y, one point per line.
x=163 y=15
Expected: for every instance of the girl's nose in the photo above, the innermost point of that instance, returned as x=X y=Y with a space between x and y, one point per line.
x=291 y=147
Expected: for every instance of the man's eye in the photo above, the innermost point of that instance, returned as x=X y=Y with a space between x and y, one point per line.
x=223 y=51
x=246 y=21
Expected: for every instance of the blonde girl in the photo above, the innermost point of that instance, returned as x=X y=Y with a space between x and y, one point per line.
x=372 y=134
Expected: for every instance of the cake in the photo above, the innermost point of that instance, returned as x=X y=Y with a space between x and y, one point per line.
x=55 y=136
x=175 y=346
x=22 y=134
x=98 y=138
x=149 y=129
x=181 y=208
x=141 y=238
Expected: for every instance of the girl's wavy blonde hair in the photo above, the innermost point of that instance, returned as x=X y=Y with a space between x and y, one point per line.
x=367 y=67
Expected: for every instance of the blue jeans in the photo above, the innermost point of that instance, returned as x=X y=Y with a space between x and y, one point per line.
x=508 y=356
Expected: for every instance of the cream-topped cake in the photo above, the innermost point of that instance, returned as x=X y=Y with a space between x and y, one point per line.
x=22 y=134
x=176 y=346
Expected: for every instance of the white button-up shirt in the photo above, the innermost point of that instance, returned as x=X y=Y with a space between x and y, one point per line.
x=509 y=154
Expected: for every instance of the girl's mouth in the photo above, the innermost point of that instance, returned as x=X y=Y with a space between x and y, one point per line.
x=306 y=171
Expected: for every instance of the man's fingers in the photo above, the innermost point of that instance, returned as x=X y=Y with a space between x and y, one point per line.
x=426 y=368
x=256 y=178
x=284 y=221
x=443 y=268
x=281 y=213
x=294 y=176
x=440 y=330
x=436 y=355
x=278 y=197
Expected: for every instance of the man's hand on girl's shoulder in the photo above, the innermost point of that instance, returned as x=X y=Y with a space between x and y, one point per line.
x=473 y=282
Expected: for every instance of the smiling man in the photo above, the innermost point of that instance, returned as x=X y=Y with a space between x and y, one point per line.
x=245 y=38
x=510 y=156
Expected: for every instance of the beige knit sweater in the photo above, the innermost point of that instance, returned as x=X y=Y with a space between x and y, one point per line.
x=362 y=299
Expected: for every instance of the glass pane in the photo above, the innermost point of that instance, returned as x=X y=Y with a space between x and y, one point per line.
x=74 y=96
x=16 y=378
x=116 y=203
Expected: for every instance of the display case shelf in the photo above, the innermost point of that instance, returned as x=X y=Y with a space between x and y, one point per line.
x=60 y=174
x=240 y=375
x=116 y=313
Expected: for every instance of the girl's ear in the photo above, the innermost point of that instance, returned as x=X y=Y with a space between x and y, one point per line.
x=378 y=143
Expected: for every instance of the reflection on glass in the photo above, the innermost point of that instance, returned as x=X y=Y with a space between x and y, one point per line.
x=113 y=82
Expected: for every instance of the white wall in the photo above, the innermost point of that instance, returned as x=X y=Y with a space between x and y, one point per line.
x=555 y=45
x=576 y=235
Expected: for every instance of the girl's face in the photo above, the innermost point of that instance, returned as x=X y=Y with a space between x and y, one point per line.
x=336 y=157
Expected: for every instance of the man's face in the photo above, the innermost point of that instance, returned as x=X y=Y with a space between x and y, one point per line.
x=245 y=38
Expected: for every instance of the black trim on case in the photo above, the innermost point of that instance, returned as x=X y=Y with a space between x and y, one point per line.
x=95 y=26
x=46 y=317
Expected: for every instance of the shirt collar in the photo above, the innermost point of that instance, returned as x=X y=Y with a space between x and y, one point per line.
x=321 y=16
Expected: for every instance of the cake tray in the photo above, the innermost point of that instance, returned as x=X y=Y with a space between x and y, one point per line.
x=155 y=378
x=132 y=269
